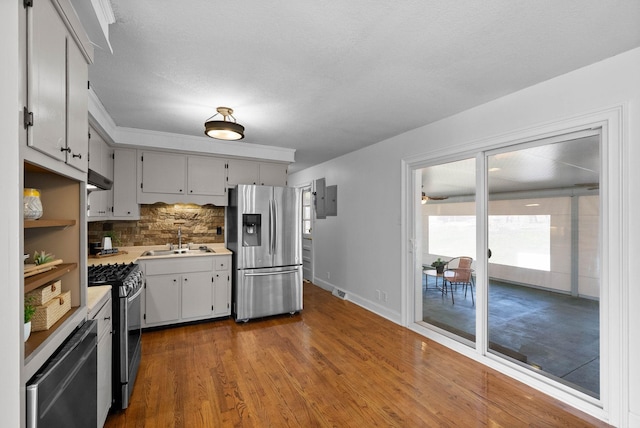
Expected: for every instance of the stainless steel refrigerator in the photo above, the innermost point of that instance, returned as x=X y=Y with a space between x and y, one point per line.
x=265 y=235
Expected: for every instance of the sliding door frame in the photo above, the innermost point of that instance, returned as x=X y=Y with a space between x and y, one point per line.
x=614 y=388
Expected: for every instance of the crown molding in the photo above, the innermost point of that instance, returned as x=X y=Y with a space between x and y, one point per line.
x=115 y=135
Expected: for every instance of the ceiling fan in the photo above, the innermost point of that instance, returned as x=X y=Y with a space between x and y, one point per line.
x=426 y=198
x=589 y=186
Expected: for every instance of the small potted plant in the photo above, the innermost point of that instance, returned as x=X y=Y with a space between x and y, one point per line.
x=29 y=310
x=42 y=258
x=439 y=265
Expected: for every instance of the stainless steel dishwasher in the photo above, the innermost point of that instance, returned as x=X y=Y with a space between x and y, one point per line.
x=64 y=392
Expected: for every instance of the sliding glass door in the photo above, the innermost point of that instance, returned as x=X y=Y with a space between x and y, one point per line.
x=529 y=221
x=543 y=273
x=449 y=235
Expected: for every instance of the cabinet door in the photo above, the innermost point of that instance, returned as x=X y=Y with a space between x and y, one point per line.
x=77 y=108
x=197 y=294
x=101 y=161
x=221 y=294
x=99 y=203
x=47 y=80
x=125 y=203
x=273 y=174
x=100 y=155
x=206 y=175
x=104 y=361
x=107 y=161
x=162 y=296
x=95 y=151
x=164 y=173
x=242 y=172
x=105 y=346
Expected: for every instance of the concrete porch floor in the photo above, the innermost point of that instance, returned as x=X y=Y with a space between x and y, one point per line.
x=554 y=333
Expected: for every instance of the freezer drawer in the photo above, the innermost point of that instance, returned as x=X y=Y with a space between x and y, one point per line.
x=265 y=292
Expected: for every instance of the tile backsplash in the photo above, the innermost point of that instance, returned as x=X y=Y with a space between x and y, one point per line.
x=158 y=225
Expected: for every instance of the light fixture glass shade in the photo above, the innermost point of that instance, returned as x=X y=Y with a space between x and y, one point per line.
x=224 y=129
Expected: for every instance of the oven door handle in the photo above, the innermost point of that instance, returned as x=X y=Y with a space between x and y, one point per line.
x=135 y=296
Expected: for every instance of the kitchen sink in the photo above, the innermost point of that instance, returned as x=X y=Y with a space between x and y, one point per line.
x=177 y=251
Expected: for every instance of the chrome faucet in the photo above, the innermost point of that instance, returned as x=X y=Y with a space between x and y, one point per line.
x=179 y=237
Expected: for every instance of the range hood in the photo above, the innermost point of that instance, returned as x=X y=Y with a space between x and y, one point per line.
x=96 y=181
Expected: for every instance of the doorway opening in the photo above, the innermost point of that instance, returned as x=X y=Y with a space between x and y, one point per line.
x=307 y=228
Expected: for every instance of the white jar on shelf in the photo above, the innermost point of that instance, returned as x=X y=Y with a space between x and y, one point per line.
x=32 y=204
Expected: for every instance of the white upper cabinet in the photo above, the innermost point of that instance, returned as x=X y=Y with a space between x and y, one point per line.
x=242 y=172
x=100 y=155
x=47 y=76
x=101 y=161
x=164 y=173
x=253 y=172
x=77 y=108
x=206 y=176
x=177 y=178
x=273 y=174
x=56 y=114
x=125 y=204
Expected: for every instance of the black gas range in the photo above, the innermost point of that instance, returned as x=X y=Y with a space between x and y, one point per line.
x=127 y=283
x=127 y=277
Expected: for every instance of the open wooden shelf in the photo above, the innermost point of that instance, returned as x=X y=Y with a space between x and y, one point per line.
x=32 y=224
x=37 y=338
x=35 y=281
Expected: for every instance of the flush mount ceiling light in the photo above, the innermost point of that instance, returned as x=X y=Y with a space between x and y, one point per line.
x=224 y=129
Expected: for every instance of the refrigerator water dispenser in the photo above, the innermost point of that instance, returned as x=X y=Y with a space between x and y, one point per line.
x=251 y=228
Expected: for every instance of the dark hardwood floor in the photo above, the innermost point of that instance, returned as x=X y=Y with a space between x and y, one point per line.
x=333 y=365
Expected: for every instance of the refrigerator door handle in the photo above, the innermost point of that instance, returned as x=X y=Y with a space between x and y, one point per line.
x=270 y=226
x=275 y=226
x=271 y=273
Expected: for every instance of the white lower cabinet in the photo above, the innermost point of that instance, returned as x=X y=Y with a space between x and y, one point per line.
x=162 y=299
x=222 y=287
x=105 y=356
x=181 y=289
x=197 y=295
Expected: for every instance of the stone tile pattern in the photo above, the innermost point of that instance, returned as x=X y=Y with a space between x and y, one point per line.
x=158 y=225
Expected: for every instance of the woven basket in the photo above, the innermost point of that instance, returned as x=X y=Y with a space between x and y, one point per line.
x=43 y=294
x=47 y=314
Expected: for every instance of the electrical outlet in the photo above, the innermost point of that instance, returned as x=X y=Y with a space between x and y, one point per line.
x=328 y=275
x=378 y=294
x=384 y=296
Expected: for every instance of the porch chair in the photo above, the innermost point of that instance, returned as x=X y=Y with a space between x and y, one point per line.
x=458 y=271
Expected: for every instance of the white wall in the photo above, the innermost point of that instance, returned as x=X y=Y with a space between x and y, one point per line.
x=11 y=195
x=361 y=247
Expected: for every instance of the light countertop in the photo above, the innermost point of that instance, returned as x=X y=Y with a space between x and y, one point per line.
x=96 y=296
x=132 y=254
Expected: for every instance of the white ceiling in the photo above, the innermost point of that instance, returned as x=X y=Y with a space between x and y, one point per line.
x=327 y=78
x=572 y=164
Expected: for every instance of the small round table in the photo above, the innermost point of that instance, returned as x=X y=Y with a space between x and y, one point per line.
x=432 y=272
